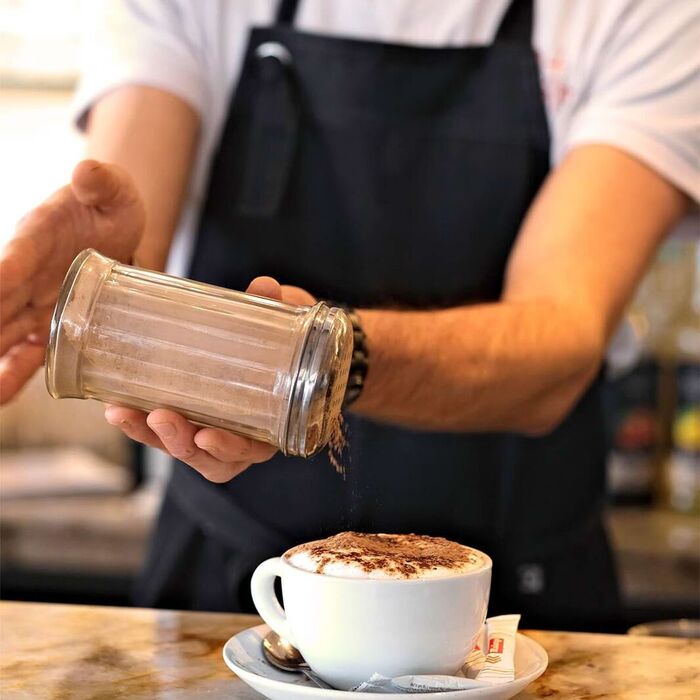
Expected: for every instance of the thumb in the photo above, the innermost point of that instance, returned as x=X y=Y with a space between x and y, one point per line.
x=103 y=185
x=265 y=287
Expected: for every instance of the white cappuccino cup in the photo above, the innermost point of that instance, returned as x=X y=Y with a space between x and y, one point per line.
x=348 y=628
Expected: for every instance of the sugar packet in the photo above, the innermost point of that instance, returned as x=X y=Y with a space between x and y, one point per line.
x=491 y=662
x=499 y=661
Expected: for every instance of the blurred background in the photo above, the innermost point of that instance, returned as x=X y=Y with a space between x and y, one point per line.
x=77 y=501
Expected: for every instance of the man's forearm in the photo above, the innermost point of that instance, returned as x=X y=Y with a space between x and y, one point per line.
x=520 y=364
x=153 y=136
x=501 y=366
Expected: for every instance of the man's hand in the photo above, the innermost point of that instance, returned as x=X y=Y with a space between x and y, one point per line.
x=100 y=209
x=216 y=454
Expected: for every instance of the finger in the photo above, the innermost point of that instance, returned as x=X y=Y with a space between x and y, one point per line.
x=42 y=332
x=216 y=471
x=17 y=368
x=265 y=287
x=102 y=185
x=297 y=295
x=13 y=300
x=17 y=331
x=133 y=424
x=177 y=435
x=229 y=447
x=175 y=432
x=18 y=264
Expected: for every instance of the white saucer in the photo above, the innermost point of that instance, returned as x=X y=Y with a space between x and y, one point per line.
x=243 y=655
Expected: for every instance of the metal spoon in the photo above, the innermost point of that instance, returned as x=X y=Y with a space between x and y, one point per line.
x=281 y=654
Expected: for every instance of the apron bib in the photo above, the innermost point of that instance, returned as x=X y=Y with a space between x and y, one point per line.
x=387 y=175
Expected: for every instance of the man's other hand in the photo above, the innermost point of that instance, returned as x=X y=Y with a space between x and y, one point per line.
x=99 y=209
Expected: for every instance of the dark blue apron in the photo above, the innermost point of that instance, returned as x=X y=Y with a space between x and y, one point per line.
x=387 y=175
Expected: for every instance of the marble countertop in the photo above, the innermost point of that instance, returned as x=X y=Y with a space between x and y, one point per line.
x=71 y=651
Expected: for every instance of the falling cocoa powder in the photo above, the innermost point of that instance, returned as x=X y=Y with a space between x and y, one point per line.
x=337 y=444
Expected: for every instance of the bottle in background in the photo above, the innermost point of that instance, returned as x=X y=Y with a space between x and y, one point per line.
x=683 y=463
x=633 y=425
x=682 y=351
x=652 y=396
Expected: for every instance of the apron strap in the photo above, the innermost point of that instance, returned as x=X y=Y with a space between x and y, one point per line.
x=220 y=517
x=200 y=528
x=162 y=581
x=517 y=23
x=287 y=11
x=272 y=142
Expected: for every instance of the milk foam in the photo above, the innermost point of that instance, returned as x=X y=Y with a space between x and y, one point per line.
x=303 y=560
x=353 y=555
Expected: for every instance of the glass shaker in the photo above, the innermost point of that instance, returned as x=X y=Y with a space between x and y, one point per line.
x=257 y=367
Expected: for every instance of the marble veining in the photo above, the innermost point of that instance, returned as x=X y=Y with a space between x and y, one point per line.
x=63 y=652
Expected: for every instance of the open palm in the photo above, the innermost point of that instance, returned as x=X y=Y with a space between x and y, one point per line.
x=99 y=209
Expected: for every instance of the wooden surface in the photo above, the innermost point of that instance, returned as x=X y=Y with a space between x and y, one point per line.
x=69 y=651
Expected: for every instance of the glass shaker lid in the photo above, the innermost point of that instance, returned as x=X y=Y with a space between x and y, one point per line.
x=319 y=386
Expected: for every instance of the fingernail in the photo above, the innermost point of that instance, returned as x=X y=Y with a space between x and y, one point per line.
x=164 y=429
x=110 y=418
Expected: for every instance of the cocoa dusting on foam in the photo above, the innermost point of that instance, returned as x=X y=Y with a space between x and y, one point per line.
x=395 y=556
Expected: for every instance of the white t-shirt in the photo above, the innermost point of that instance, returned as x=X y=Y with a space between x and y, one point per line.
x=620 y=72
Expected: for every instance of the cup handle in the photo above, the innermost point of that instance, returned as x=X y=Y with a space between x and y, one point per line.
x=262 y=587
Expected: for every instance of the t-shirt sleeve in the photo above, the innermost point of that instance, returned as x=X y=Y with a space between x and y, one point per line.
x=139 y=42
x=644 y=92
